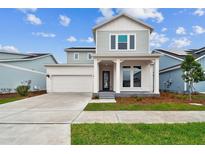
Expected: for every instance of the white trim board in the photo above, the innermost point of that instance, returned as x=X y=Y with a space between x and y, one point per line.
x=170 y=69
x=169 y=55
x=22 y=69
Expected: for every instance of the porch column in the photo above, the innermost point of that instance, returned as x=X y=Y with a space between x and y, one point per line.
x=156 y=76
x=117 y=83
x=96 y=77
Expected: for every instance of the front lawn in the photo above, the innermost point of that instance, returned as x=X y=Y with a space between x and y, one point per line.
x=7 y=100
x=157 y=134
x=144 y=107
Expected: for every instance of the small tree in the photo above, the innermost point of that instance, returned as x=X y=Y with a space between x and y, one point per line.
x=192 y=73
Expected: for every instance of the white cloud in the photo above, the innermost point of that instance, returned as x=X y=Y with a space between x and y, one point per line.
x=43 y=34
x=9 y=48
x=164 y=29
x=157 y=40
x=71 y=39
x=180 y=43
x=198 y=29
x=106 y=14
x=34 y=20
x=199 y=12
x=64 y=20
x=26 y=10
x=137 y=13
x=181 y=31
x=145 y=13
x=88 y=40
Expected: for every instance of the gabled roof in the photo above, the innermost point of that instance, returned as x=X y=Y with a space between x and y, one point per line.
x=29 y=56
x=86 y=49
x=179 y=55
x=118 y=16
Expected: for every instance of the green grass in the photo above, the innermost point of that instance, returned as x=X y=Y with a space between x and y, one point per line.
x=144 y=107
x=157 y=134
x=7 y=100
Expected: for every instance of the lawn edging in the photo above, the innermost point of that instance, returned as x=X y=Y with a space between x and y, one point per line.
x=143 y=107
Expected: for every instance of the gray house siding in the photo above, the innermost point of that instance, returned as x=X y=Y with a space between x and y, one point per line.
x=166 y=61
x=142 y=40
x=201 y=85
x=10 y=56
x=12 y=77
x=83 y=57
x=36 y=65
x=174 y=76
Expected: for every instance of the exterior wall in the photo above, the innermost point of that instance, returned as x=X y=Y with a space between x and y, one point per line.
x=200 y=87
x=12 y=77
x=142 y=40
x=83 y=57
x=122 y=25
x=146 y=76
x=106 y=68
x=37 y=64
x=177 y=81
x=166 y=61
x=10 y=56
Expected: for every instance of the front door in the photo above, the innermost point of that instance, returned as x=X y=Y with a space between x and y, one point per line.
x=106 y=80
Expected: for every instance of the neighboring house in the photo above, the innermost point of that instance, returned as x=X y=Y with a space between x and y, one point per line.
x=18 y=68
x=171 y=72
x=120 y=64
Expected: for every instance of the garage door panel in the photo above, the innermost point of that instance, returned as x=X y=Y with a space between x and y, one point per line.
x=74 y=83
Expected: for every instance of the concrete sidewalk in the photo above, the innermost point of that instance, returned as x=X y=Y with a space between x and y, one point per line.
x=140 y=117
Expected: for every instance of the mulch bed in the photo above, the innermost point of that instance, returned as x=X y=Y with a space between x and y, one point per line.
x=165 y=97
x=31 y=94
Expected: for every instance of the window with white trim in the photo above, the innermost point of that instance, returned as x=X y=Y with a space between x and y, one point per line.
x=122 y=42
x=136 y=76
x=90 y=57
x=76 y=56
x=126 y=76
x=131 y=76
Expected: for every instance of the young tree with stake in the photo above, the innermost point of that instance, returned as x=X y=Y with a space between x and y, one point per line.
x=192 y=73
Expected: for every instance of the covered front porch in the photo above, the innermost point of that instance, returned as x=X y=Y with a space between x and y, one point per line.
x=126 y=76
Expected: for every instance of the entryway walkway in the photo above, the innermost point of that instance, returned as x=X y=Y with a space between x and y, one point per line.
x=140 y=117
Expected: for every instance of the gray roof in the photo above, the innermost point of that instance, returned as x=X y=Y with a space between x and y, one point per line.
x=29 y=56
x=86 y=49
x=197 y=53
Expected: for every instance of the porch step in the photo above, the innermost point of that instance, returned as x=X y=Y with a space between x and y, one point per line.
x=106 y=95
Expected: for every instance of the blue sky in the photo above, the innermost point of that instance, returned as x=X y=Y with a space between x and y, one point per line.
x=52 y=30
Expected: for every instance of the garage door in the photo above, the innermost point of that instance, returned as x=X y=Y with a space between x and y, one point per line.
x=72 y=83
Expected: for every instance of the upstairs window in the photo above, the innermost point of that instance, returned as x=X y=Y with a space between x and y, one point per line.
x=90 y=57
x=122 y=42
x=76 y=56
x=113 y=42
x=132 y=42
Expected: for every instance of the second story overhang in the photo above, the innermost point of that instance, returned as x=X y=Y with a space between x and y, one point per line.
x=126 y=56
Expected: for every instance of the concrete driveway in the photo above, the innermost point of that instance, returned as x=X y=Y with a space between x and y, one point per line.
x=42 y=119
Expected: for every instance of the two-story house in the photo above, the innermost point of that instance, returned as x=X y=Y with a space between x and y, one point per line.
x=120 y=65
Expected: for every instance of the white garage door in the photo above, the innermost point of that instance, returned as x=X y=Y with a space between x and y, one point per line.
x=72 y=83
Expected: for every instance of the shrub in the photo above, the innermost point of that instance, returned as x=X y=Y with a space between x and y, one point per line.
x=138 y=99
x=22 y=90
